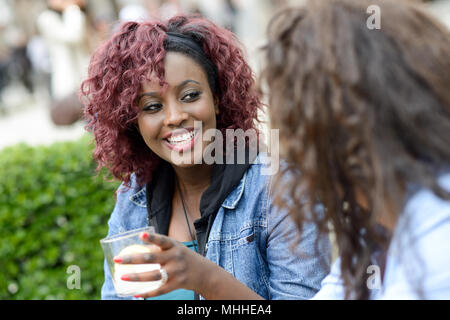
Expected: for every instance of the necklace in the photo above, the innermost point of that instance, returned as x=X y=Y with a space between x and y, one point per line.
x=186 y=216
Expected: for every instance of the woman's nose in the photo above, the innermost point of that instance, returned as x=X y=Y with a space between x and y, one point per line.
x=175 y=115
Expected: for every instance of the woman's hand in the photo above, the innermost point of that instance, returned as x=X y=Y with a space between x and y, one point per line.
x=185 y=268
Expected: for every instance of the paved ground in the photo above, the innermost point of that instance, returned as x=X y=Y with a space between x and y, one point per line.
x=32 y=124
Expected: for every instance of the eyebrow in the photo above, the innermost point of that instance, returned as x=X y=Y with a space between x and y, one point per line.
x=155 y=93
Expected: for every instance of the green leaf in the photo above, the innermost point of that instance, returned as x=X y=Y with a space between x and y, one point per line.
x=53 y=210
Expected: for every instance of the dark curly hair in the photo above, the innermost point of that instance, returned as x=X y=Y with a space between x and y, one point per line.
x=120 y=65
x=362 y=114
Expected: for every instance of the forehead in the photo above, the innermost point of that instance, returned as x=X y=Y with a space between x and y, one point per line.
x=178 y=68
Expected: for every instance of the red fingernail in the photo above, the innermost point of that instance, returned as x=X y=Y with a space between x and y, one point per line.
x=125 y=278
x=145 y=236
x=137 y=296
x=117 y=259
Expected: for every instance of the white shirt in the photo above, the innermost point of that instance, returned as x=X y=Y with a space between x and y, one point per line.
x=418 y=256
x=65 y=36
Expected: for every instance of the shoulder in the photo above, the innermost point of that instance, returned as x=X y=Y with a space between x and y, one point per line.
x=264 y=168
x=424 y=210
x=257 y=181
x=130 y=211
x=415 y=258
x=424 y=217
x=133 y=192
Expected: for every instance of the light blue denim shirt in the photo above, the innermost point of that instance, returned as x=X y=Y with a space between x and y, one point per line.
x=250 y=238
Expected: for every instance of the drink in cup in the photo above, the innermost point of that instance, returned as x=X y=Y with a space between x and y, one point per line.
x=128 y=243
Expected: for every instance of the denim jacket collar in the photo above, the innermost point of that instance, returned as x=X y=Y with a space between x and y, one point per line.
x=233 y=198
x=139 y=198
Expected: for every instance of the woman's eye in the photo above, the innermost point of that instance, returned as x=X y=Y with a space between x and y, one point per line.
x=152 y=107
x=191 y=96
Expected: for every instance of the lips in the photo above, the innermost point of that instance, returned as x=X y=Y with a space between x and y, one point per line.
x=178 y=132
x=181 y=139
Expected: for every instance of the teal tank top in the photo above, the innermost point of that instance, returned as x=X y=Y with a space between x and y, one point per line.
x=180 y=294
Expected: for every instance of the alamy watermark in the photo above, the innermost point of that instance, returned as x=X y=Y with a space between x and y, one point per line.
x=74 y=278
x=374 y=280
x=373 y=22
x=239 y=146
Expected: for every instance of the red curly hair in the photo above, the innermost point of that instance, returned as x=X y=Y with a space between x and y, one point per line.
x=119 y=66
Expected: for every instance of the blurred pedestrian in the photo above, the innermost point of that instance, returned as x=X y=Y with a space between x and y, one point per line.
x=64 y=27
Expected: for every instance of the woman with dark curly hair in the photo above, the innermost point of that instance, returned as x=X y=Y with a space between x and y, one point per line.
x=364 y=119
x=153 y=90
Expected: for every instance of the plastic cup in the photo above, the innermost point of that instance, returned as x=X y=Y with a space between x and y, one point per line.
x=127 y=243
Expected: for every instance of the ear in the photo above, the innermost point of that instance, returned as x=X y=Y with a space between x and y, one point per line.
x=216 y=105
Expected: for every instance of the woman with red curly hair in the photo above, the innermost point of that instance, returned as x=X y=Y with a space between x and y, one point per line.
x=154 y=89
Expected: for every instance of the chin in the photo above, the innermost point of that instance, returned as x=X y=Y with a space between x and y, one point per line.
x=184 y=160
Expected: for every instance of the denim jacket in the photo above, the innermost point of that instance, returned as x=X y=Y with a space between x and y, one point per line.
x=249 y=238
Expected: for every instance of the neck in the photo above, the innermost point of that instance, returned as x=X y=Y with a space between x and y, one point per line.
x=195 y=180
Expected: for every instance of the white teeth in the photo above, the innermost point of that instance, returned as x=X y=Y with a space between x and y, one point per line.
x=181 y=138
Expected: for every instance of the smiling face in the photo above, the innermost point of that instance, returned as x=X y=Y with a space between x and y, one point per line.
x=166 y=119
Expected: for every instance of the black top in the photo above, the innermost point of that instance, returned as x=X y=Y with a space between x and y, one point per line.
x=225 y=178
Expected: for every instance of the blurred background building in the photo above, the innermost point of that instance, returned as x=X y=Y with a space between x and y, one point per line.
x=45 y=47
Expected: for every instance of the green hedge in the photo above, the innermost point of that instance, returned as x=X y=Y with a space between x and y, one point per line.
x=54 y=210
